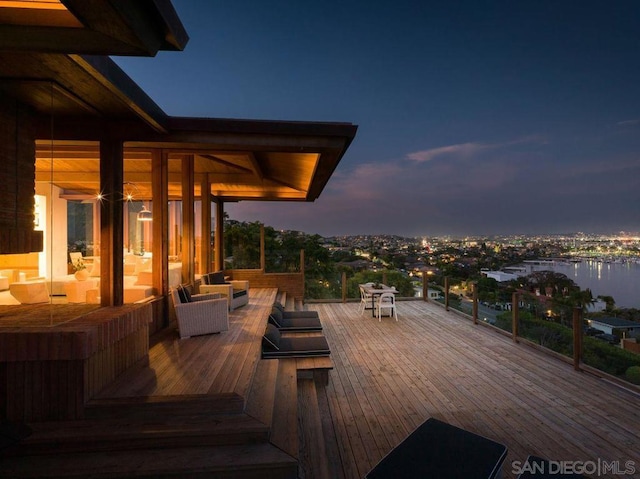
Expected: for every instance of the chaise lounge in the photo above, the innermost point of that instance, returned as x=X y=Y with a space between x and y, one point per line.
x=294 y=323
x=274 y=346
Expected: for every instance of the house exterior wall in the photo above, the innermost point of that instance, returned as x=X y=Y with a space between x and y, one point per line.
x=17 y=177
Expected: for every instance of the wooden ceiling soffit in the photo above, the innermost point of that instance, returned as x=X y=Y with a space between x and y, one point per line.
x=227 y=162
x=45 y=96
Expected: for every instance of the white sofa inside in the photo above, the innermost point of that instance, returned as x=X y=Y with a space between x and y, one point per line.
x=138 y=279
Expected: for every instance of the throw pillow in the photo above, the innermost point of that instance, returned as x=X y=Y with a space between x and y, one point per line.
x=187 y=294
x=273 y=320
x=181 y=294
x=216 y=278
x=271 y=338
x=277 y=315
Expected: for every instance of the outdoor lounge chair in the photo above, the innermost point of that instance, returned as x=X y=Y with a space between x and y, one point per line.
x=438 y=449
x=295 y=314
x=274 y=346
x=236 y=292
x=294 y=324
x=199 y=313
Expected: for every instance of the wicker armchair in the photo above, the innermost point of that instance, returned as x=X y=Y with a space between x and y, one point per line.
x=204 y=314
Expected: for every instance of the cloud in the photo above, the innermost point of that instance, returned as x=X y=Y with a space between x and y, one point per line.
x=463 y=149
x=468 y=150
x=628 y=122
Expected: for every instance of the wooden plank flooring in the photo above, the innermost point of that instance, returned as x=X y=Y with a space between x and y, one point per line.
x=210 y=364
x=389 y=377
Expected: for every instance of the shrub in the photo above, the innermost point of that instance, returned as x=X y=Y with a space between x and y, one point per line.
x=633 y=374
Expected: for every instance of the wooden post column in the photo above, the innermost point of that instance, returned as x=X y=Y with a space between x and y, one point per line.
x=111 y=223
x=219 y=236
x=425 y=287
x=515 y=317
x=160 y=224
x=446 y=293
x=577 y=338
x=188 y=223
x=474 y=289
x=205 y=220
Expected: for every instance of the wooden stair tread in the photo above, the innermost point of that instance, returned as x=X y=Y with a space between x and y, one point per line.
x=112 y=408
x=158 y=463
x=98 y=434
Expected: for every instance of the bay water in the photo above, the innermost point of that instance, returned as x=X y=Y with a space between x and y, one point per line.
x=621 y=280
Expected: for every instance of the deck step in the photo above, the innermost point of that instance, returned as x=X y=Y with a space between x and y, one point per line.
x=284 y=424
x=261 y=397
x=151 y=406
x=163 y=431
x=236 y=461
x=312 y=457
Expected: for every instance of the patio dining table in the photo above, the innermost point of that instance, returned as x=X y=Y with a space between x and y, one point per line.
x=376 y=290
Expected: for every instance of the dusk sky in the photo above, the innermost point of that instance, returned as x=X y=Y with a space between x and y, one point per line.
x=474 y=117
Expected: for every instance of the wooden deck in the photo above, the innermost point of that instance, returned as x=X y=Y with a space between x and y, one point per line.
x=388 y=378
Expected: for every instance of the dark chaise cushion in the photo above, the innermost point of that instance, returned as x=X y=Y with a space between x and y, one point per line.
x=271 y=339
x=299 y=347
x=278 y=305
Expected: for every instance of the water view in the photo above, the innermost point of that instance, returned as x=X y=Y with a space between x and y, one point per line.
x=621 y=280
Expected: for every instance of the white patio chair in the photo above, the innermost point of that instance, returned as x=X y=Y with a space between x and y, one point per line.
x=386 y=301
x=365 y=298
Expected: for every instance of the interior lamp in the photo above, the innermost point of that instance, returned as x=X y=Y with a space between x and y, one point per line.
x=144 y=214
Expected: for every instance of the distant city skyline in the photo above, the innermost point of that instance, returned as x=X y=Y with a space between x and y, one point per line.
x=475 y=117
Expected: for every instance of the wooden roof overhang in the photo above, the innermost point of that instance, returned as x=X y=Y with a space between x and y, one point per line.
x=99 y=27
x=241 y=160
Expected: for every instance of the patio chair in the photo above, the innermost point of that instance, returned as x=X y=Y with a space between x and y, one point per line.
x=386 y=301
x=274 y=346
x=199 y=313
x=294 y=324
x=365 y=298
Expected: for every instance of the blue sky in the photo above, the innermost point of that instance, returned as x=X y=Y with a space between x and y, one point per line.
x=474 y=117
